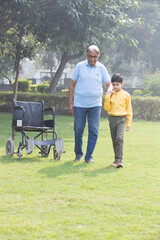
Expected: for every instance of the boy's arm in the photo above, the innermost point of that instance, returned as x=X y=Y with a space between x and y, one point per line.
x=107 y=102
x=129 y=113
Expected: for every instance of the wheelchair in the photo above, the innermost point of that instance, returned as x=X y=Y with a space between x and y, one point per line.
x=29 y=117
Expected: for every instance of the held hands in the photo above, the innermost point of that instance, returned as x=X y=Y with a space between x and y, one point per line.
x=109 y=92
x=127 y=128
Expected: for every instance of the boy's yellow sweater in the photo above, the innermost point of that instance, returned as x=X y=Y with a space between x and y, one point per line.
x=119 y=104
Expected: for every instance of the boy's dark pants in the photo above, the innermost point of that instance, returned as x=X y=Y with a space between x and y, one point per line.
x=117 y=127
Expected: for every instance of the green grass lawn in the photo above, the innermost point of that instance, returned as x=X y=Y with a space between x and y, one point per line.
x=41 y=198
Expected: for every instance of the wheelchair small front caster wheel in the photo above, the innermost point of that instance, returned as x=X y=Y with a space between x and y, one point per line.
x=19 y=153
x=55 y=155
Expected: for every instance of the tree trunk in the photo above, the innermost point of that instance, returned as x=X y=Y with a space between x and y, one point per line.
x=64 y=60
x=17 y=71
x=51 y=74
x=17 y=63
x=59 y=72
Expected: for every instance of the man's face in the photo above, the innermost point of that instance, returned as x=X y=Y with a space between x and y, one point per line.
x=117 y=86
x=92 y=58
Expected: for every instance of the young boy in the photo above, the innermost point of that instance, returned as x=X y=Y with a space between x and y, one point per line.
x=118 y=105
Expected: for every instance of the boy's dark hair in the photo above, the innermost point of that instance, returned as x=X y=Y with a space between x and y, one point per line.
x=117 y=77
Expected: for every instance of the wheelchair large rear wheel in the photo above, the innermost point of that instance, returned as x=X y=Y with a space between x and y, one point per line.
x=10 y=148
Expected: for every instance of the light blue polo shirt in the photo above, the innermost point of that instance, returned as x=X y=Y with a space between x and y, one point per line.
x=89 y=83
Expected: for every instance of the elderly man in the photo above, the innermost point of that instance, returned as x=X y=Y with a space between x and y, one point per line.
x=86 y=84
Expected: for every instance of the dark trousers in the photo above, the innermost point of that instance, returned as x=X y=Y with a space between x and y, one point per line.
x=117 y=127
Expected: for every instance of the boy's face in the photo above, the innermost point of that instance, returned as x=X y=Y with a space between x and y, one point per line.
x=117 y=86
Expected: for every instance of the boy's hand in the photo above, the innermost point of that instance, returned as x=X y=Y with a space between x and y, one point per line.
x=109 y=92
x=127 y=128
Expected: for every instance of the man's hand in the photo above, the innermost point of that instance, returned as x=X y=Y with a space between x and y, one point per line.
x=70 y=96
x=70 y=108
x=127 y=128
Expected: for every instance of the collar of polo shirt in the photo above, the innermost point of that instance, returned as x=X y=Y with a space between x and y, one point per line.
x=89 y=65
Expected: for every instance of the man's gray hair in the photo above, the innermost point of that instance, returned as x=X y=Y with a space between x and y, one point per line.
x=93 y=48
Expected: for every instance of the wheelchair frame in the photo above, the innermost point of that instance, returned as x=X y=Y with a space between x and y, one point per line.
x=19 y=124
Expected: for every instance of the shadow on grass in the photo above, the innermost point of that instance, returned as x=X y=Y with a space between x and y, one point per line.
x=72 y=168
x=63 y=169
x=4 y=159
x=105 y=170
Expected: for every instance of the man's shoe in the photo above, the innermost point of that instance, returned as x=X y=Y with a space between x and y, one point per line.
x=77 y=159
x=115 y=163
x=119 y=164
x=89 y=161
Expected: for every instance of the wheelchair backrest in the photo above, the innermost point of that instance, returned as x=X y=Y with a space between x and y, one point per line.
x=33 y=113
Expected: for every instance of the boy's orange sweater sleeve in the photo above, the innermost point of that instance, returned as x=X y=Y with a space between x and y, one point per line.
x=107 y=103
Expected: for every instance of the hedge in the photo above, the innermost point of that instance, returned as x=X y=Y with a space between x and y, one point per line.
x=145 y=108
x=58 y=101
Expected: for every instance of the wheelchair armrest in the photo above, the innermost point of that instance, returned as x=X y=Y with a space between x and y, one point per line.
x=21 y=108
x=49 y=123
x=50 y=109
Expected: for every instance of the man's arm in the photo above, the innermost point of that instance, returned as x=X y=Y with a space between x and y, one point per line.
x=70 y=96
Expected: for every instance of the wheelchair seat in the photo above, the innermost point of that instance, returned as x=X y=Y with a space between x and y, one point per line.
x=30 y=116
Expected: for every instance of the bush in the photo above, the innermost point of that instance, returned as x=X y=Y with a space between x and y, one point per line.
x=24 y=85
x=152 y=83
x=154 y=87
x=137 y=93
x=146 y=108
x=34 y=88
x=43 y=88
x=59 y=101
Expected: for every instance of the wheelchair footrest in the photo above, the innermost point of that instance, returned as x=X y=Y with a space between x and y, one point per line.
x=30 y=145
x=59 y=146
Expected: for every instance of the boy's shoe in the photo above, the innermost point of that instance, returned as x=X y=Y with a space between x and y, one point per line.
x=77 y=159
x=89 y=160
x=114 y=164
x=119 y=164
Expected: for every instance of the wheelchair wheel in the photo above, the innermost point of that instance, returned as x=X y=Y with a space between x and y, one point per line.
x=10 y=148
x=46 y=149
x=19 y=153
x=55 y=154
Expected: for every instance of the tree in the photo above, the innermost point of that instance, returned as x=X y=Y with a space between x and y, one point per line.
x=11 y=13
x=18 y=47
x=133 y=60
x=66 y=25
x=76 y=24
x=48 y=60
x=17 y=42
x=6 y=68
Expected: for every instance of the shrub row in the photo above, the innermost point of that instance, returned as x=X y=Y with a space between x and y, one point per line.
x=59 y=102
x=146 y=108
x=25 y=85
